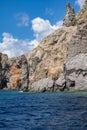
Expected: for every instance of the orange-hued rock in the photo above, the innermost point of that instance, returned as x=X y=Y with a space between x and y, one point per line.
x=55 y=71
x=15 y=77
x=15 y=71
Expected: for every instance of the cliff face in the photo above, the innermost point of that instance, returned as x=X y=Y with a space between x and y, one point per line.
x=76 y=61
x=4 y=68
x=47 y=60
x=59 y=62
x=13 y=73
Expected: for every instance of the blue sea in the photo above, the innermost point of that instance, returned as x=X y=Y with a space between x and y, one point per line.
x=43 y=111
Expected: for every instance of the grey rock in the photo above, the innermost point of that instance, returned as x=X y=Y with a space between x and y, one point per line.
x=4 y=68
x=77 y=43
x=45 y=84
x=70 y=83
x=60 y=83
x=69 y=19
x=25 y=74
x=78 y=62
x=76 y=71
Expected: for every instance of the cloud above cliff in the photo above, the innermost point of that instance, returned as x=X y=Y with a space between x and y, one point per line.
x=43 y=27
x=15 y=47
x=80 y=2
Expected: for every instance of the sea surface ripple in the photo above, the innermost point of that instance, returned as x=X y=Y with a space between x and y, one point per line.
x=43 y=111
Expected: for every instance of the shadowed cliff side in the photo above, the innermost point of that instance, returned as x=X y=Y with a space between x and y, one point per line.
x=4 y=68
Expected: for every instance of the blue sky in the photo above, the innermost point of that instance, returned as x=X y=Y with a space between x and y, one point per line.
x=23 y=23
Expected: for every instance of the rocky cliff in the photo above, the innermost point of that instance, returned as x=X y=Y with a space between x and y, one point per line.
x=47 y=60
x=14 y=73
x=4 y=68
x=59 y=63
x=76 y=60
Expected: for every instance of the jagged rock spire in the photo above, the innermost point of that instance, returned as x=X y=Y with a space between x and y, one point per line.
x=69 y=19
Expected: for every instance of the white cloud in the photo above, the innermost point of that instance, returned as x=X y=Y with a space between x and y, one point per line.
x=80 y=3
x=43 y=27
x=15 y=47
x=23 y=20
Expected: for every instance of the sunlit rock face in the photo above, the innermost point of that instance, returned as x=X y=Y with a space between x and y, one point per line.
x=15 y=74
